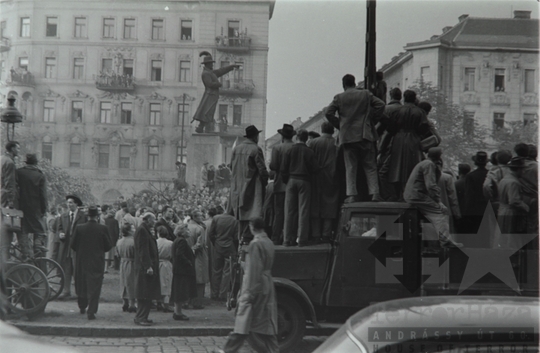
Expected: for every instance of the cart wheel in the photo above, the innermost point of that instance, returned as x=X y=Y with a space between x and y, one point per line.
x=27 y=289
x=54 y=273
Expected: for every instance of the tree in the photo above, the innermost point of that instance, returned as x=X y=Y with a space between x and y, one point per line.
x=461 y=136
x=515 y=132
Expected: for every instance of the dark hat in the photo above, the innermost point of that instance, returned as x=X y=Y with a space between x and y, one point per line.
x=31 y=159
x=434 y=153
x=93 y=211
x=75 y=199
x=314 y=134
x=251 y=130
x=124 y=204
x=517 y=162
x=481 y=158
x=208 y=59
x=287 y=131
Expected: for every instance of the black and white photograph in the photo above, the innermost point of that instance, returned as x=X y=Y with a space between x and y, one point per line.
x=294 y=176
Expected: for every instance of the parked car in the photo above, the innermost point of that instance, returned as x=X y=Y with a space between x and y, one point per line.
x=440 y=324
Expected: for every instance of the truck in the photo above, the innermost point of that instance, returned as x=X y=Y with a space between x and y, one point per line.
x=383 y=251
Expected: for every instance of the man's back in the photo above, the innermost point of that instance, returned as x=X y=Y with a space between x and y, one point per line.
x=8 y=181
x=223 y=231
x=299 y=162
x=32 y=192
x=278 y=153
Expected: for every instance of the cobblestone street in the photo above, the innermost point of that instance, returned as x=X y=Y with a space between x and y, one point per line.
x=163 y=344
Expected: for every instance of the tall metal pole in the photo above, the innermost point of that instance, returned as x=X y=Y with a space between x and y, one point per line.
x=182 y=135
x=371 y=67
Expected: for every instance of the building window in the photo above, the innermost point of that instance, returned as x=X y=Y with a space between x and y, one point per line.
x=77 y=111
x=105 y=112
x=106 y=65
x=185 y=29
x=80 y=27
x=233 y=32
x=470 y=74
x=23 y=63
x=498 y=121
x=48 y=111
x=530 y=87
x=153 y=157
x=529 y=118
x=223 y=112
x=468 y=123
x=181 y=153
x=157 y=30
x=25 y=27
x=128 y=67
x=155 y=114
x=108 y=28
x=425 y=74
x=46 y=151
x=183 y=113
x=129 y=28
x=225 y=78
x=237 y=115
x=156 y=70
x=239 y=73
x=499 y=80
x=3 y=27
x=185 y=71
x=103 y=156
x=125 y=116
x=52 y=27
x=78 y=68
x=75 y=155
x=50 y=67
x=124 y=161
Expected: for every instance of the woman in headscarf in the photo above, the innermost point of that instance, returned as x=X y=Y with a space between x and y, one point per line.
x=183 y=283
x=125 y=249
x=165 y=268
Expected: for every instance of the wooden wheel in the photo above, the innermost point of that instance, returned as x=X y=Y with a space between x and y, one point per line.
x=27 y=289
x=54 y=273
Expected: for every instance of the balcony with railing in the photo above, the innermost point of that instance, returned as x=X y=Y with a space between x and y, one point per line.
x=237 y=87
x=239 y=44
x=20 y=77
x=5 y=44
x=112 y=82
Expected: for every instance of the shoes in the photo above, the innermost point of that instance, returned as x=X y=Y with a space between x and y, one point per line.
x=377 y=198
x=91 y=317
x=351 y=199
x=198 y=307
x=125 y=308
x=159 y=307
x=142 y=323
x=64 y=296
x=83 y=311
x=290 y=243
x=180 y=317
x=105 y=271
x=186 y=307
x=132 y=309
x=167 y=309
x=149 y=321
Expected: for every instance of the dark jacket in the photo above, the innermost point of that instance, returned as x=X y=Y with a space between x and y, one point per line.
x=298 y=162
x=146 y=256
x=9 y=190
x=64 y=227
x=223 y=233
x=114 y=229
x=278 y=152
x=32 y=198
x=475 y=202
x=183 y=258
x=324 y=190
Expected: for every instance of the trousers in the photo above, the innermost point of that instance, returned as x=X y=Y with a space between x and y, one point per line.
x=279 y=217
x=297 y=210
x=88 y=296
x=143 y=310
x=268 y=343
x=221 y=275
x=360 y=152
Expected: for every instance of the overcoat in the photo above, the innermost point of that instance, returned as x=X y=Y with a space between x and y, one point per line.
x=475 y=201
x=422 y=189
x=65 y=254
x=207 y=108
x=91 y=241
x=146 y=255
x=114 y=229
x=183 y=283
x=9 y=189
x=249 y=180
x=324 y=186
x=32 y=198
x=165 y=265
x=257 y=306
x=278 y=152
x=197 y=242
x=125 y=249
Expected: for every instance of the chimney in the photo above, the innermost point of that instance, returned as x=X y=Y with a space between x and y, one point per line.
x=446 y=29
x=522 y=14
x=462 y=17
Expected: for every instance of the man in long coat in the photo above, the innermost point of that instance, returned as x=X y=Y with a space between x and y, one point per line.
x=91 y=241
x=207 y=108
x=66 y=256
x=147 y=285
x=256 y=314
x=287 y=133
x=475 y=202
x=324 y=187
x=33 y=202
x=197 y=242
x=249 y=180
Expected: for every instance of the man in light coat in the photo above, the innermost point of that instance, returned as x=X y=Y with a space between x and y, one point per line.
x=197 y=242
x=249 y=180
x=358 y=111
x=256 y=315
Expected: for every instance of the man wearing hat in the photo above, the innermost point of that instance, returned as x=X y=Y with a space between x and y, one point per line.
x=423 y=192
x=248 y=182
x=67 y=223
x=475 y=201
x=33 y=202
x=287 y=133
x=207 y=108
x=90 y=241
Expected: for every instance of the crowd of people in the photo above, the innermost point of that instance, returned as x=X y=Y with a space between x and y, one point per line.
x=213 y=178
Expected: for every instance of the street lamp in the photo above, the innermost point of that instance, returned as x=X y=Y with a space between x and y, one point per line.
x=11 y=116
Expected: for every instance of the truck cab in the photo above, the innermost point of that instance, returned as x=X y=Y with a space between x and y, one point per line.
x=374 y=258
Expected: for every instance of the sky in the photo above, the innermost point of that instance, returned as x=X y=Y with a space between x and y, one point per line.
x=313 y=43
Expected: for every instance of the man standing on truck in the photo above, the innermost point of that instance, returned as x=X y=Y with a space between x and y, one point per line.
x=358 y=111
x=423 y=192
x=256 y=314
